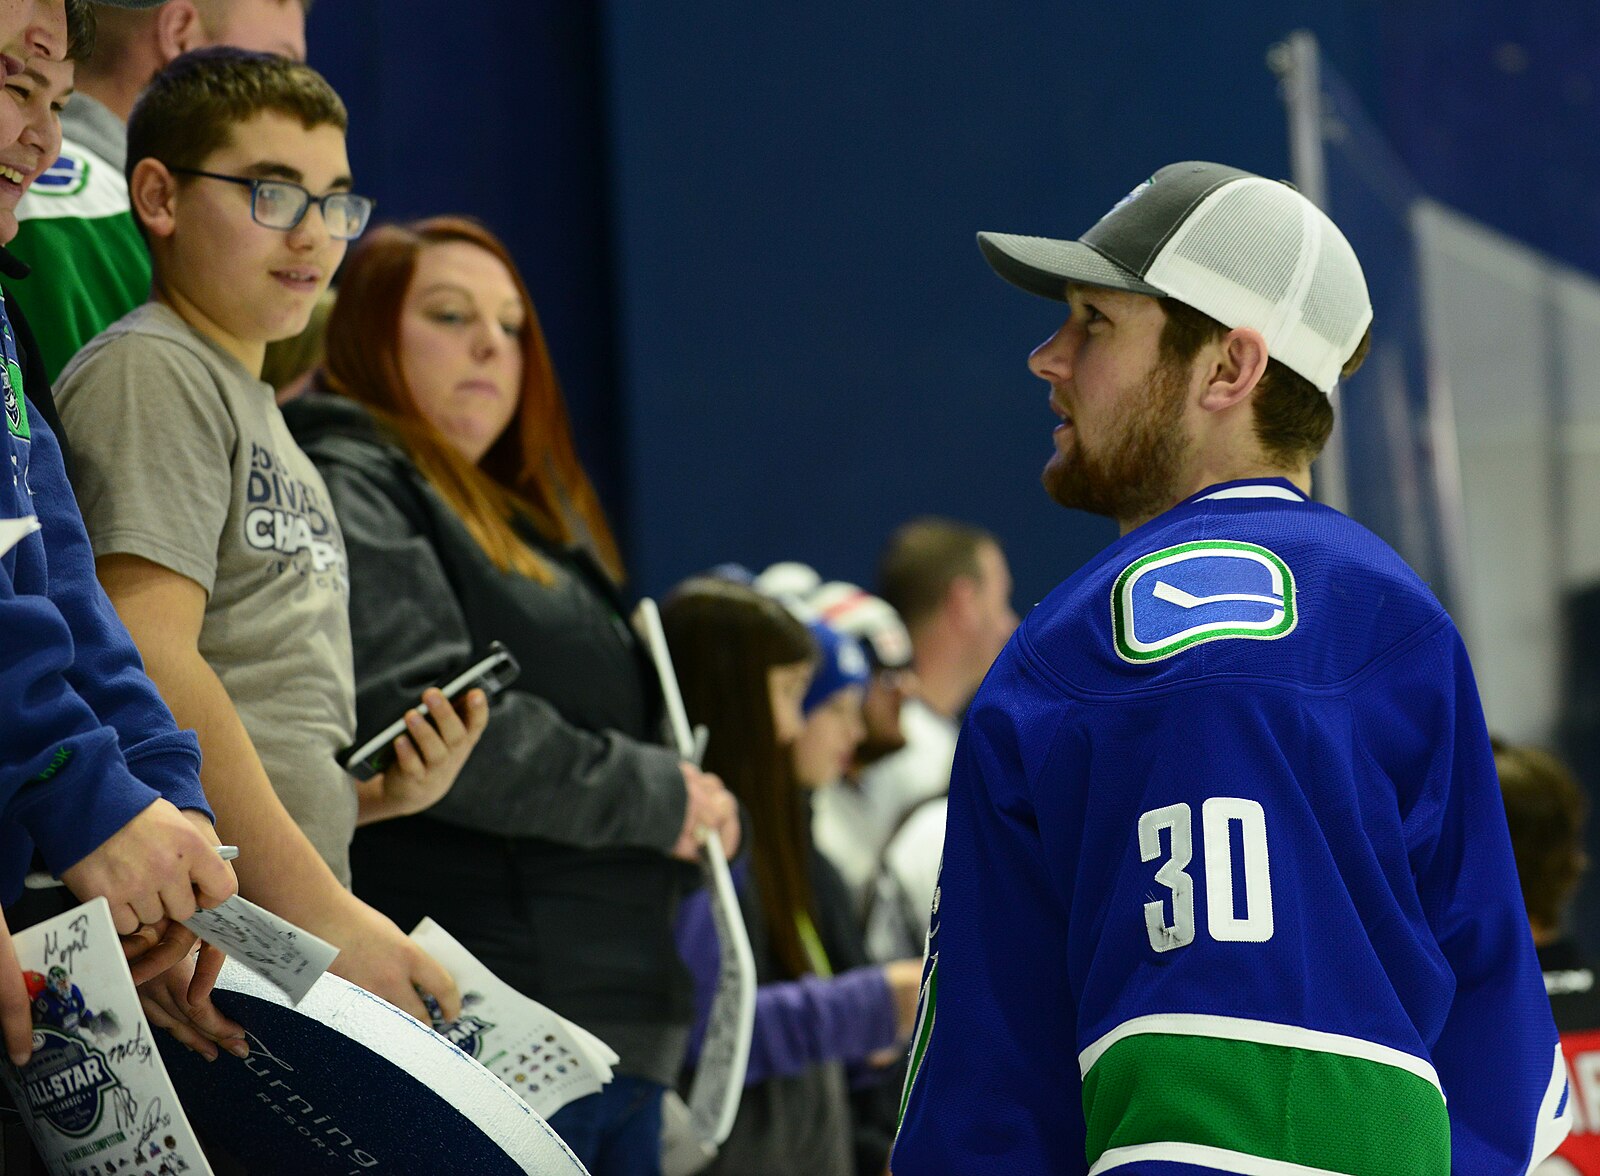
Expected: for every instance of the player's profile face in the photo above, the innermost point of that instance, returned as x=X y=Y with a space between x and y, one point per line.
x=1121 y=441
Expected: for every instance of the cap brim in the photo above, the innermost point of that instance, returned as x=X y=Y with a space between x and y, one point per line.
x=1043 y=266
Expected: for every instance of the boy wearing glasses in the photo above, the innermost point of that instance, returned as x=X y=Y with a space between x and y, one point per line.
x=212 y=531
x=76 y=229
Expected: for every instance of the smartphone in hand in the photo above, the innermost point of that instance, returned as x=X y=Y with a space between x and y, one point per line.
x=492 y=671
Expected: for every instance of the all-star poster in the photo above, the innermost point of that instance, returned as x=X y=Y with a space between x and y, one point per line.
x=95 y=1093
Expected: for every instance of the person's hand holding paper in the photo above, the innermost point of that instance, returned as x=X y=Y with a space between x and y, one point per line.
x=157 y=866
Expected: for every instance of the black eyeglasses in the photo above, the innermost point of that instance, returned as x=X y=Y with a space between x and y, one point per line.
x=283 y=204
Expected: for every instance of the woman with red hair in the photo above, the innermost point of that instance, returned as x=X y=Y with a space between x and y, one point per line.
x=560 y=855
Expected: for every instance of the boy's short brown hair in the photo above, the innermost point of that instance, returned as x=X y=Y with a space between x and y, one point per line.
x=189 y=110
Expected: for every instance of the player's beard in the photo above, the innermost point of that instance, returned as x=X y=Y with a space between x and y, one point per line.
x=1133 y=476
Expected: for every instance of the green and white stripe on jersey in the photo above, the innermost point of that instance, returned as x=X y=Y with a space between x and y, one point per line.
x=79 y=184
x=1260 y=1098
x=90 y=266
x=921 y=1034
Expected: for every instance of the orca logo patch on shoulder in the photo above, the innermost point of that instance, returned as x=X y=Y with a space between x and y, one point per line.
x=1183 y=596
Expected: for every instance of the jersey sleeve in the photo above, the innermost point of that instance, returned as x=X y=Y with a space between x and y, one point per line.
x=992 y=1084
x=106 y=670
x=1497 y=1053
x=64 y=786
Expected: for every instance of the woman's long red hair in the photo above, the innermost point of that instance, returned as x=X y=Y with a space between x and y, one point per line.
x=532 y=470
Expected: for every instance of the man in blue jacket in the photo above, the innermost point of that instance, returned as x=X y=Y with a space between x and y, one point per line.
x=95 y=778
x=1227 y=885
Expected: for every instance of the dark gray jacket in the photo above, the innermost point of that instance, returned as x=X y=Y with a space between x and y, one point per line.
x=548 y=858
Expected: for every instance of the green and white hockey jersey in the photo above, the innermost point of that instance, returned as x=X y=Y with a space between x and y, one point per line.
x=90 y=266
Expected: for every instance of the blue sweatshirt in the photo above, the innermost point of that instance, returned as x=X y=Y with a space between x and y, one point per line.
x=87 y=743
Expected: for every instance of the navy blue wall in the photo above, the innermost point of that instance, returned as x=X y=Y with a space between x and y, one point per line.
x=1494 y=107
x=813 y=348
x=749 y=230
x=495 y=111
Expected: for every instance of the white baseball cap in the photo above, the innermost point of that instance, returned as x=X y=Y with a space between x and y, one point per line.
x=845 y=607
x=1245 y=250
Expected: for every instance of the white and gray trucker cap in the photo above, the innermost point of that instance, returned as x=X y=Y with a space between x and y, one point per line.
x=1245 y=250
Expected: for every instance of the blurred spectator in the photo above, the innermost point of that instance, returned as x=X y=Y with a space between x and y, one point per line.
x=950 y=584
x=856 y=613
x=871 y=621
x=1546 y=810
x=561 y=854
x=833 y=727
x=290 y=363
x=77 y=230
x=212 y=531
x=896 y=908
x=744 y=664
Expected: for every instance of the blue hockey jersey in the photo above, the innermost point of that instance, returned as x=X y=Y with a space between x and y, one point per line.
x=1227 y=885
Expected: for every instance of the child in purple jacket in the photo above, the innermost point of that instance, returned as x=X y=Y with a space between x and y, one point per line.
x=745 y=666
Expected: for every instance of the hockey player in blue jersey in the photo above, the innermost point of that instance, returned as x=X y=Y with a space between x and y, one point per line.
x=61 y=1002
x=1226 y=883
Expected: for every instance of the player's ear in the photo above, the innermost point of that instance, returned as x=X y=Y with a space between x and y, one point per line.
x=1239 y=360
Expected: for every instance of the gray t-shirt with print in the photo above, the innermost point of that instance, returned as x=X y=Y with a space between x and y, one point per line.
x=184 y=459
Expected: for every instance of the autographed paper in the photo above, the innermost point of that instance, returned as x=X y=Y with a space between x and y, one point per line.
x=95 y=1094
x=273 y=948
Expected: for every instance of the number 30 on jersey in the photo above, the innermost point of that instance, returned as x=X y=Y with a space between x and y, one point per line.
x=1234 y=832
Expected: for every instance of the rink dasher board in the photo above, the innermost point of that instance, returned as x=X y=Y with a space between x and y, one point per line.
x=347 y=1083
